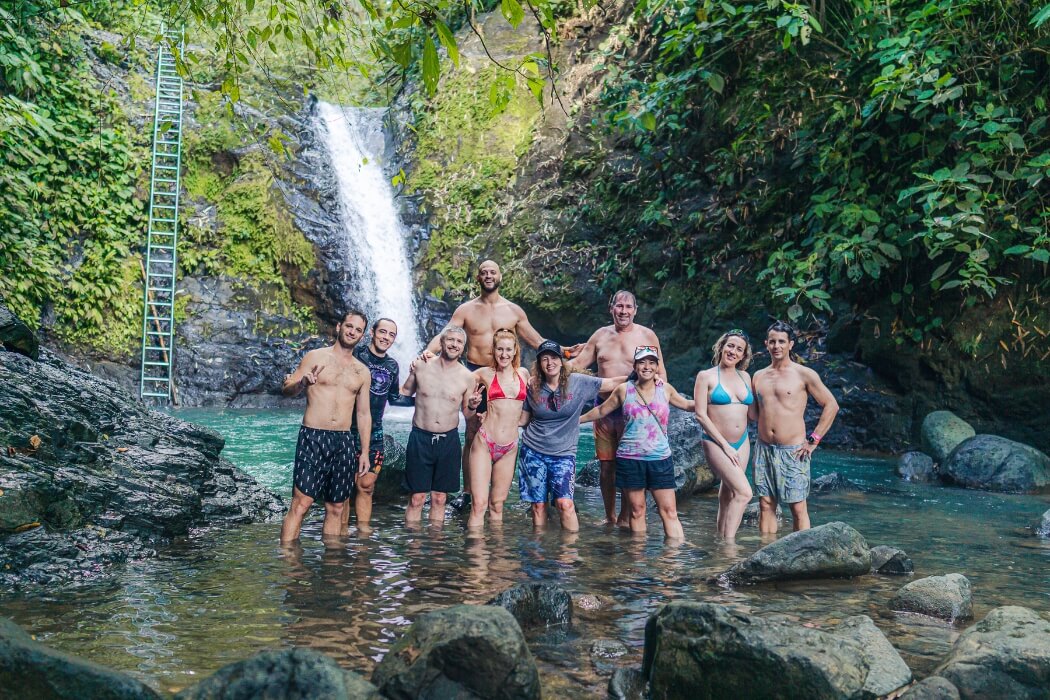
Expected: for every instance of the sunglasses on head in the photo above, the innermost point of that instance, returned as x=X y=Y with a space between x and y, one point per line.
x=739 y=332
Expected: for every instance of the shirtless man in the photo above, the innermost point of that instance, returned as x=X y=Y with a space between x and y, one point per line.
x=442 y=388
x=481 y=317
x=783 y=450
x=336 y=385
x=613 y=348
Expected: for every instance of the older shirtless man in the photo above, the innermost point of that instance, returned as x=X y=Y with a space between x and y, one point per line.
x=336 y=385
x=442 y=387
x=614 y=347
x=783 y=450
x=481 y=317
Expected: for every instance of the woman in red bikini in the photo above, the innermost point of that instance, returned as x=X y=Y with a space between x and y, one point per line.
x=494 y=450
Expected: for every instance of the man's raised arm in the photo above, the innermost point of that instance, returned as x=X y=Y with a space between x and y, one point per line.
x=305 y=375
x=525 y=330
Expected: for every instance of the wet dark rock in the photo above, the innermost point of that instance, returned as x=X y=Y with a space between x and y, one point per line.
x=588 y=602
x=536 y=604
x=886 y=669
x=627 y=684
x=932 y=688
x=691 y=473
x=466 y=651
x=1005 y=655
x=994 y=463
x=945 y=597
x=833 y=550
x=754 y=511
x=831 y=483
x=916 y=466
x=1042 y=528
x=590 y=474
x=390 y=484
x=891 y=561
x=91 y=477
x=16 y=336
x=289 y=674
x=29 y=669
x=942 y=432
x=703 y=650
x=608 y=649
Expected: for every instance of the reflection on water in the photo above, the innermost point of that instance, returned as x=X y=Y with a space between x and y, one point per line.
x=221 y=595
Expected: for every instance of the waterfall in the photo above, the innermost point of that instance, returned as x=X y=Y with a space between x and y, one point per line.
x=375 y=236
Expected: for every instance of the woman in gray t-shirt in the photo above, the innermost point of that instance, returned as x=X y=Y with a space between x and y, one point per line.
x=547 y=456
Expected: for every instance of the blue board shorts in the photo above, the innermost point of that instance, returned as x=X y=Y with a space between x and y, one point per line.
x=540 y=475
x=644 y=473
x=780 y=474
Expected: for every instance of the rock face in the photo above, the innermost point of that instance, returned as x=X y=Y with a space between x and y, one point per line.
x=16 y=336
x=691 y=473
x=932 y=688
x=946 y=597
x=833 y=550
x=1042 y=528
x=942 y=432
x=701 y=650
x=886 y=669
x=91 y=477
x=290 y=674
x=997 y=464
x=536 y=604
x=32 y=670
x=466 y=651
x=1005 y=655
x=916 y=466
x=891 y=561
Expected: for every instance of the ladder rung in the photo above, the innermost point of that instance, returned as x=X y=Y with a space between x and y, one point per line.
x=161 y=179
x=158 y=246
x=168 y=143
x=166 y=221
x=164 y=206
x=156 y=364
x=164 y=290
x=150 y=348
x=159 y=318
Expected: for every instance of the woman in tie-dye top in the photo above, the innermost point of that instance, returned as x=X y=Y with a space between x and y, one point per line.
x=643 y=459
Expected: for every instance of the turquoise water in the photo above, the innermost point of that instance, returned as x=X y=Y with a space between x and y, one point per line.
x=220 y=595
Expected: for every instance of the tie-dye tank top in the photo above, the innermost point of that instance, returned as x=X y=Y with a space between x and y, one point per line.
x=645 y=430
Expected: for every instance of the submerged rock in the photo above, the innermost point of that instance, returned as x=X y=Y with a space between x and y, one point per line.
x=886 y=669
x=465 y=651
x=833 y=550
x=536 y=604
x=753 y=512
x=289 y=674
x=891 y=561
x=29 y=669
x=390 y=484
x=702 y=650
x=916 y=466
x=932 y=688
x=608 y=649
x=994 y=463
x=1005 y=655
x=1042 y=528
x=942 y=432
x=590 y=474
x=627 y=684
x=945 y=597
x=829 y=483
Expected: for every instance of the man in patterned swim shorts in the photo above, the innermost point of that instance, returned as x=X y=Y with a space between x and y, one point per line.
x=783 y=451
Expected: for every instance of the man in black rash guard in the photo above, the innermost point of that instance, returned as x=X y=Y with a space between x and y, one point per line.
x=385 y=389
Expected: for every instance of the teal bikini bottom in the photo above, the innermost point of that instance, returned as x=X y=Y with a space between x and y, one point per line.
x=736 y=445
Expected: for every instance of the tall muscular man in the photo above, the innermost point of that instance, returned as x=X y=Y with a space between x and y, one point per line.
x=783 y=450
x=613 y=348
x=336 y=385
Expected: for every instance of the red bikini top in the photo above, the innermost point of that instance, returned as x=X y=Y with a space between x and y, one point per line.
x=496 y=391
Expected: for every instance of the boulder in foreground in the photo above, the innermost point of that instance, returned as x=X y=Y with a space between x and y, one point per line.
x=886 y=669
x=932 y=688
x=994 y=463
x=833 y=550
x=942 y=432
x=1005 y=655
x=466 y=651
x=536 y=604
x=891 y=561
x=945 y=597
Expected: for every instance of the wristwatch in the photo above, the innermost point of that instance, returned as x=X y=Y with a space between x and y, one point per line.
x=813 y=438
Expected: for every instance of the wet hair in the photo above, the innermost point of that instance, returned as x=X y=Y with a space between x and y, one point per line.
x=504 y=334
x=783 y=327
x=538 y=379
x=353 y=312
x=720 y=344
x=380 y=320
x=453 y=328
x=622 y=293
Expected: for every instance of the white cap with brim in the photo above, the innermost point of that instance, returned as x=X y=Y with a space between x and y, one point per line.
x=644 y=351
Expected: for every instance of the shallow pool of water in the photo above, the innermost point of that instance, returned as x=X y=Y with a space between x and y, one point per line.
x=220 y=595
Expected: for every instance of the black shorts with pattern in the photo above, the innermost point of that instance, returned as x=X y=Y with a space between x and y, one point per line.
x=325 y=464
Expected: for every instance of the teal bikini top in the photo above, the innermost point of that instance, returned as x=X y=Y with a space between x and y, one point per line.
x=721 y=397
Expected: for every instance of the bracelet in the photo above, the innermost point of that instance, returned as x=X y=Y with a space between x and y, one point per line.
x=815 y=436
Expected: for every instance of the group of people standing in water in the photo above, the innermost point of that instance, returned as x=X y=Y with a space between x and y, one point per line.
x=474 y=367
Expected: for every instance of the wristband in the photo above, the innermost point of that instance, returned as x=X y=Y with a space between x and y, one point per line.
x=814 y=438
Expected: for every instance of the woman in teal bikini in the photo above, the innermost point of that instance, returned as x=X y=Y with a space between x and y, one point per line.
x=723 y=394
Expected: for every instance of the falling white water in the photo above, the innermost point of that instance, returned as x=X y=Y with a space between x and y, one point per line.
x=375 y=235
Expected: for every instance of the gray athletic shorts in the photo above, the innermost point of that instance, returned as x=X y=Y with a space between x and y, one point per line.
x=780 y=474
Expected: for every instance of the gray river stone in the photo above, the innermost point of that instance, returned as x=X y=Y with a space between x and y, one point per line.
x=1005 y=655
x=29 y=669
x=891 y=561
x=994 y=463
x=1042 y=528
x=932 y=688
x=886 y=669
x=702 y=650
x=832 y=483
x=627 y=684
x=945 y=597
x=833 y=550
x=536 y=604
x=916 y=466
x=942 y=432
x=466 y=651
x=390 y=484
x=753 y=512
x=16 y=336
x=288 y=674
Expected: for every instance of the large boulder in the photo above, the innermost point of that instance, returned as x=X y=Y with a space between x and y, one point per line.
x=1005 y=655
x=702 y=650
x=1042 y=528
x=390 y=484
x=945 y=597
x=886 y=669
x=994 y=463
x=29 y=669
x=942 y=432
x=626 y=684
x=691 y=473
x=288 y=674
x=16 y=336
x=833 y=550
x=466 y=651
x=890 y=561
x=916 y=466
x=932 y=688
x=536 y=604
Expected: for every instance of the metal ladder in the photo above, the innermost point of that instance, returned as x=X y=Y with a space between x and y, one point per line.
x=158 y=306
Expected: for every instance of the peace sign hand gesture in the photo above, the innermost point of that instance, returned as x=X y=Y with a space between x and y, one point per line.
x=310 y=378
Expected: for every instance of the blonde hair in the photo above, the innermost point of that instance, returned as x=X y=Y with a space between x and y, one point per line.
x=504 y=334
x=716 y=358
